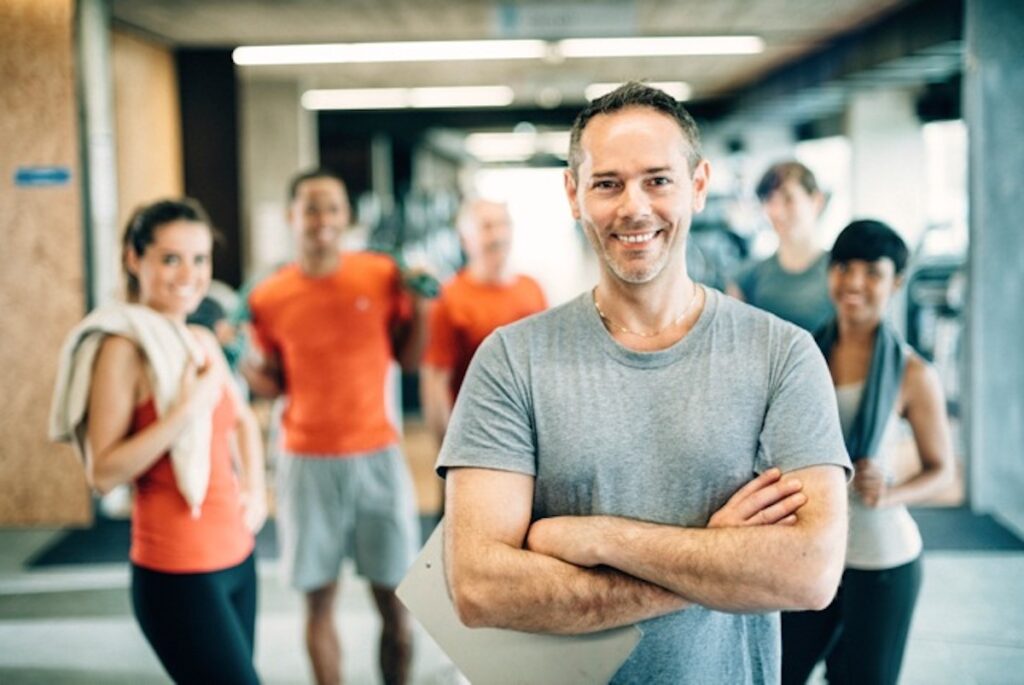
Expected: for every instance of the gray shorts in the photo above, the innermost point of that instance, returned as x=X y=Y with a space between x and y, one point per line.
x=360 y=507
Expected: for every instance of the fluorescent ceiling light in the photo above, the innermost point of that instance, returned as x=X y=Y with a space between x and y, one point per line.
x=415 y=51
x=677 y=89
x=461 y=96
x=513 y=147
x=472 y=50
x=660 y=46
x=405 y=98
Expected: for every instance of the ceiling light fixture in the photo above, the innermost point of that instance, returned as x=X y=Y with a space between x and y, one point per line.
x=408 y=98
x=660 y=46
x=516 y=146
x=413 y=51
x=473 y=50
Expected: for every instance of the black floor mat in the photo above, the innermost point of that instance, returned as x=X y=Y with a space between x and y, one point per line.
x=108 y=541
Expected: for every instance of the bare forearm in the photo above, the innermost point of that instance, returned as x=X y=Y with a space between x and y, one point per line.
x=435 y=391
x=503 y=587
x=262 y=382
x=730 y=569
x=129 y=458
x=777 y=543
x=411 y=341
x=924 y=486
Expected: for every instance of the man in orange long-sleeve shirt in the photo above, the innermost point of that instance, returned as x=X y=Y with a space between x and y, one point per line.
x=329 y=328
x=481 y=297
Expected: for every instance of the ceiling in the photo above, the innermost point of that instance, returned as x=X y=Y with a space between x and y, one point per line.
x=790 y=28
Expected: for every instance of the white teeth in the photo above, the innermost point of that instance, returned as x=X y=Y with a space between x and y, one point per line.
x=637 y=237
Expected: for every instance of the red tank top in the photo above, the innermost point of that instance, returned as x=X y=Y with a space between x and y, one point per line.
x=165 y=536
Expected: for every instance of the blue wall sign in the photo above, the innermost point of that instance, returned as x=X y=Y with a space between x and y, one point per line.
x=42 y=176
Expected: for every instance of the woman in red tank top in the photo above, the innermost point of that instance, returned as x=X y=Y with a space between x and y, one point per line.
x=193 y=573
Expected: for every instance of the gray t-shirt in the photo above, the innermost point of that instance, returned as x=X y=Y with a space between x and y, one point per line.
x=663 y=436
x=801 y=297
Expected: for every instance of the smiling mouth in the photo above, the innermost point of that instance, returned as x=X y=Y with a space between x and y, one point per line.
x=636 y=238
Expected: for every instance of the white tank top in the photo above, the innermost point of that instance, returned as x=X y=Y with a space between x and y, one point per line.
x=879 y=538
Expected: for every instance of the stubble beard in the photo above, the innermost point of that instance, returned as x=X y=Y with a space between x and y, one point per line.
x=634 y=275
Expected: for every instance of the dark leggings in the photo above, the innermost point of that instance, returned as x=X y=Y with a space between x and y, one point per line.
x=201 y=625
x=861 y=635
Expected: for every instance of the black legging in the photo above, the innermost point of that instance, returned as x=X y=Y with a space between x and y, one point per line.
x=861 y=635
x=201 y=625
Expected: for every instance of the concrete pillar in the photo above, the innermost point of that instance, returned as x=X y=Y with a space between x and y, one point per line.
x=96 y=85
x=993 y=93
x=887 y=160
x=278 y=139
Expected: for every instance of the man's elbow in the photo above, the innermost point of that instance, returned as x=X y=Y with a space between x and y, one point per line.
x=820 y=592
x=470 y=601
x=822 y=570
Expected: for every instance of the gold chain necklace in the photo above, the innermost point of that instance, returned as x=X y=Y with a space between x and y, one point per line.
x=623 y=329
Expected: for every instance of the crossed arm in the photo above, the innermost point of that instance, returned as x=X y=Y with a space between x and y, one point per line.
x=582 y=574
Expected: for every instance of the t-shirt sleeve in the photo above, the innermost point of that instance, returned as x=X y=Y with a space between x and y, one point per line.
x=801 y=425
x=440 y=351
x=492 y=423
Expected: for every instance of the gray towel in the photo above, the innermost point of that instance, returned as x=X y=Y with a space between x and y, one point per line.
x=880 y=390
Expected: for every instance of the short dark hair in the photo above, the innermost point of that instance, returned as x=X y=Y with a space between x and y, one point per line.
x=147 y=219
x=635 y=94
x=309 y=175
x=781 y=172
x=869 y=240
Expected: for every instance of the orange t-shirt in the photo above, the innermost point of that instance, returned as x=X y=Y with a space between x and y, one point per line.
x=333 y=337
x=165 y=537
x=467 y=311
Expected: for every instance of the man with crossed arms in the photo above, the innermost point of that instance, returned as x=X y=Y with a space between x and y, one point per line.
x=653 y=451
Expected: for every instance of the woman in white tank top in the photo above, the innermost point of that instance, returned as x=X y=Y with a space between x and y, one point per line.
x=862 y=634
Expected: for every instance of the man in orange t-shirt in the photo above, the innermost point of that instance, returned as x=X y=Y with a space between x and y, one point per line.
x=328 y=329
x=481 y=297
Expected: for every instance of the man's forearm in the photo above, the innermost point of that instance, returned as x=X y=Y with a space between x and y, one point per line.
x=262 y=381
x=412 y=339
x=732 y=568
x=436 y=398
x=525 y=591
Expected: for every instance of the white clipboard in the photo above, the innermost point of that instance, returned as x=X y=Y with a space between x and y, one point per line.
x=491 y=656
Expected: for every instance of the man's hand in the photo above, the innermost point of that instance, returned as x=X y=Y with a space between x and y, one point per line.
x=766 y=500
x=421 y=281
x=869 y=483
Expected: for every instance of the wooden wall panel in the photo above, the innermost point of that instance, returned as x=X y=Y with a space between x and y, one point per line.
x=148 y=123
x=41 y=252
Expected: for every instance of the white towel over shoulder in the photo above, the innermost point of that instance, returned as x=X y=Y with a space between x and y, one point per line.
x=168 y=346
